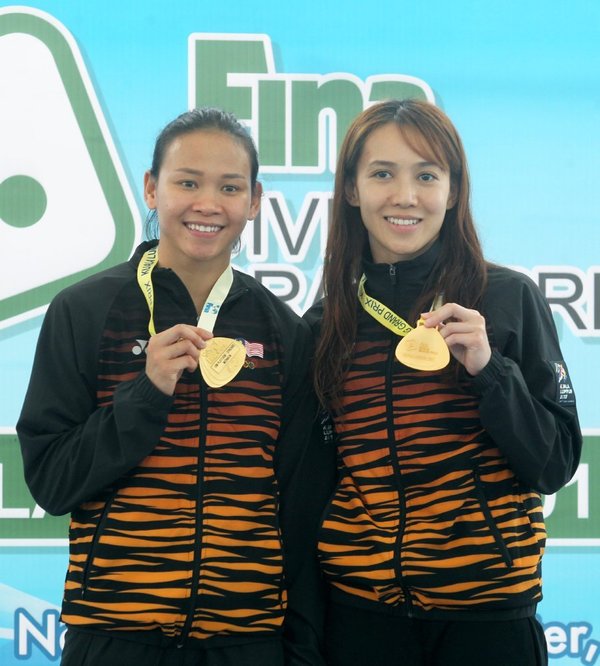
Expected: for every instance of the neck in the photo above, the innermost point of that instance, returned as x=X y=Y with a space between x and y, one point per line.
x=199 y=283
x=198 y=277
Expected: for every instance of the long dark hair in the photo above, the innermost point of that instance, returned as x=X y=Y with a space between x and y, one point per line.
x=430 y=133
x=204 y=118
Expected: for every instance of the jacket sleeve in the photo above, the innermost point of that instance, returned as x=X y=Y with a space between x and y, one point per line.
x=306 y=473
x=527 y=403
x=72 y=449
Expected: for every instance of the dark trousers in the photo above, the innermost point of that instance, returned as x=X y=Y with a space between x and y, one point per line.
x=83 y=649
x=359 y=637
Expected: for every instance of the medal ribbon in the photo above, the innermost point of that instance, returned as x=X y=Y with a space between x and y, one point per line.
x=381 y=312
x=213 y=303
x=384 y=315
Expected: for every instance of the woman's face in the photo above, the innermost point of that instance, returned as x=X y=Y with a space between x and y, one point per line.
x=203 y=197
x=402 y=196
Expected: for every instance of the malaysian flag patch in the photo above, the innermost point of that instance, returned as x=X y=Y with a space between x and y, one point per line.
x=254 y=349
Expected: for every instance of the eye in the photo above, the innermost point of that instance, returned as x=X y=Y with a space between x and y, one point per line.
x=230 y=189
x=427 y=177
x=187 y=184
x=381 y=175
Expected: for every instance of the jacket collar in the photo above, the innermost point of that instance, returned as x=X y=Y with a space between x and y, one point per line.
x=408 y=273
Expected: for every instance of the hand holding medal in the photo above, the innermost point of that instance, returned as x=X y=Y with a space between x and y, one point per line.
x=220 y=359
x=172 y=352
x=464 y=332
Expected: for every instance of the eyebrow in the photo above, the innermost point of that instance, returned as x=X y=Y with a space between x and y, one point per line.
x=196 y=172
x=420 y=165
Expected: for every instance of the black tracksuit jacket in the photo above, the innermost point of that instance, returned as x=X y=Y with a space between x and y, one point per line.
x=437 y=512
x=183 y=508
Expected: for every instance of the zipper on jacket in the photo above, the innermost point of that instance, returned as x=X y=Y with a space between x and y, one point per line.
x=392 y=274
x=193 y=601
x=396 y=465
x=199 y=516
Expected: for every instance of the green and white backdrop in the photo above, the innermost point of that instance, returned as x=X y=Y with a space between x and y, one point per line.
x=86 y=86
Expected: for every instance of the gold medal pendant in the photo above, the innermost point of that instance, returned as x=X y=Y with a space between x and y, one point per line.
x=423 y=349
x=221 y=360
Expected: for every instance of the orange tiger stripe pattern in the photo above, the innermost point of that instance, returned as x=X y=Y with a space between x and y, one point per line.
x=427 y=516
x=188 y=542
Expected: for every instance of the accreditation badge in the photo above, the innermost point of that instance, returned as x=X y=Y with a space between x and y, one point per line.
x=423 y=349
x=221 y=360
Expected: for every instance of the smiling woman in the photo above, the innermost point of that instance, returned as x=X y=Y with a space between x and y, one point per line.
x=432 y=541
x=184 y=464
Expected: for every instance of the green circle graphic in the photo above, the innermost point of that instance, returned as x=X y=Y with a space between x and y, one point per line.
x=22 y=201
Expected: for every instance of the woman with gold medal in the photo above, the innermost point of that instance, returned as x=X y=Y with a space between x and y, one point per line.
x=451 y=406
x=169 y=411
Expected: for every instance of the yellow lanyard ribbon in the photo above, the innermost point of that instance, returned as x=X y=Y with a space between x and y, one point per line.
x=384 y=315
x=144 y=278
x=381 y=312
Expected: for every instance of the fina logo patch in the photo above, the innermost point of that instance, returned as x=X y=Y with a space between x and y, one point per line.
x=565 y=394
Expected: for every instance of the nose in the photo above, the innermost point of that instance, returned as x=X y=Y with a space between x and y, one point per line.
x=206 y=201
x=404 y=194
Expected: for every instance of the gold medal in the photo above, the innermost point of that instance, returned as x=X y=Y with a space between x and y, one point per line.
x=423 y=349
x=221 y=360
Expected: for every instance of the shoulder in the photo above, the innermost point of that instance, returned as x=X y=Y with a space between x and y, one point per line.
x=102 y=286
x=98 y=287
x=506 y=287
x=501 y=276
x=281 y=313
x=514 y=307
x=84 y=305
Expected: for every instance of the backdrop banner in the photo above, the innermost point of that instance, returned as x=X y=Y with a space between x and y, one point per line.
x=85 y=89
